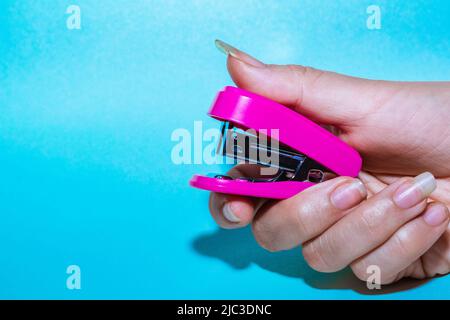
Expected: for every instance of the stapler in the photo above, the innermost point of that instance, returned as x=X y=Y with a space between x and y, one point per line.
x=293 y=152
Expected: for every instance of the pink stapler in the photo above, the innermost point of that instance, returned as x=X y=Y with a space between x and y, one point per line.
x=259 y=131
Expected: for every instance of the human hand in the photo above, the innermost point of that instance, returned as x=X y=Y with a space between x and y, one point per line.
x=398 y=127
x=380 y=119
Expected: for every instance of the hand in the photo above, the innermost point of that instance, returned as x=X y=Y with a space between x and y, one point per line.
x=400 y=128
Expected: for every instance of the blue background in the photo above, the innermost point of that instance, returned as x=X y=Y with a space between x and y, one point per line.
x=86 y=116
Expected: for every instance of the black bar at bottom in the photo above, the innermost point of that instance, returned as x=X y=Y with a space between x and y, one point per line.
x=228 y=309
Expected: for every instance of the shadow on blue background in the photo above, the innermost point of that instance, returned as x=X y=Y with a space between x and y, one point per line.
x=86 y=117
x=222 y=244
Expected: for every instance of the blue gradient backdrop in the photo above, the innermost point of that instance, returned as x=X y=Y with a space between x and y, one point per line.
x=86 y=116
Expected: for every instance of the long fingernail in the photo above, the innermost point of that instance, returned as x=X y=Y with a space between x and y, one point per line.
x=235 y=53
x=348 y=195
x=436 y=215
x=226 y=48
x=229 y=214
x=413 y=192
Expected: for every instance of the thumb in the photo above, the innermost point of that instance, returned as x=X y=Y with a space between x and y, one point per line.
x=326 y=97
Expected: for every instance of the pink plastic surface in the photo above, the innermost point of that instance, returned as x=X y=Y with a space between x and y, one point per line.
x=272 y=190
x=249 y=110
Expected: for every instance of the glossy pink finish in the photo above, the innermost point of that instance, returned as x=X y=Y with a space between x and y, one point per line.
x=248 y=110
x=272 y=190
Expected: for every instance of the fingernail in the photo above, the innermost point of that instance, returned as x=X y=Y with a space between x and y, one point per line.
x=413 y=192
x=436 y=215
x=226 y=48
x=348 y=195
x=235 y=53
x=228 y=213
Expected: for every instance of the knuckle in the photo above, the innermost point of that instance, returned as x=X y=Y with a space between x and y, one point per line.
x=313 y=257
x=359 y=269
x=316 y=258
x=300 y=216
x=401 y=239
x=264 y=235
x=374 y=219
x=310 y=217
x=282 y=226
x=305 y=77
x=304 y=72
x=297 y=70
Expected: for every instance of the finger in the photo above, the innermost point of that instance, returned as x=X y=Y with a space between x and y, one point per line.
x=233 y=211
x=285 y=224
x=388 y=178
x=406 y=246
x=326 y=97
x=230 y=211
x=370 y=224
x=442 y=192
x=238 y=54
x=372 y=183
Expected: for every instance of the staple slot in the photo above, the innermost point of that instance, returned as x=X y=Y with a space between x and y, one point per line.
x=257 y=149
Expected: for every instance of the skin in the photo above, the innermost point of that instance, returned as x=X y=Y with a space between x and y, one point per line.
x=401 y=129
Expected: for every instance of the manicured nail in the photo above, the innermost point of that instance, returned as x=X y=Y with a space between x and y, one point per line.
x=436 y=215
x=348 y=195
x=226 y=48
x=229 y=214
x=413 y=192
x=235 y=53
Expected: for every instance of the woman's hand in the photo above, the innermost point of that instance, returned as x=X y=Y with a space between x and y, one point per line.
x=395 y=229
x=400 y=129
